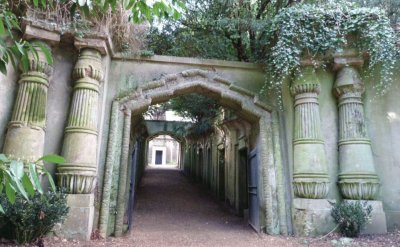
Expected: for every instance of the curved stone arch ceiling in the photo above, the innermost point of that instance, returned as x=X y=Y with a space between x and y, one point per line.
x=245 y=103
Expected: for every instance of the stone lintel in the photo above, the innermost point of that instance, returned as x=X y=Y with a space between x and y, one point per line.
x=34 y=32
x=79 y=222
x=312 y=217
x=348 y=57
x=378 y=219
x=94 y=43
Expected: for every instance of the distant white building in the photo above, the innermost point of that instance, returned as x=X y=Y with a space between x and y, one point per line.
x=163 y=150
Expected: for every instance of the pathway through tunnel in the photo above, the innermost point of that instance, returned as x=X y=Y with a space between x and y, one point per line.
x=172 y=211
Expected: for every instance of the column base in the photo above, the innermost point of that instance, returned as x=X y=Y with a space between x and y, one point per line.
x=79 y=222
x=312 y=217
x=378 y=219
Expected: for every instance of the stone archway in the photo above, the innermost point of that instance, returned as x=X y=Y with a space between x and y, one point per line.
x=246 y=104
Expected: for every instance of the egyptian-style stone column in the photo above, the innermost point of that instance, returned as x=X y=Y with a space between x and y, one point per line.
x=26 y=130
x=310 y=174
x=357 y=179
x=78 y=174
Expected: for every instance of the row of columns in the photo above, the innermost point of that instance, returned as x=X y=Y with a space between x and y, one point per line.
x=357 y=178
x=25 y=138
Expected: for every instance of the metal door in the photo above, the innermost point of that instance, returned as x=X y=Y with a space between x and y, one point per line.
x=254 y=219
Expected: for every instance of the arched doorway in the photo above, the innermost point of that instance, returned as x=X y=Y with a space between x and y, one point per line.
x=270 y=190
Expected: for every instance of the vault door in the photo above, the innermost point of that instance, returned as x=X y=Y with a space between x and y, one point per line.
x=254 y=219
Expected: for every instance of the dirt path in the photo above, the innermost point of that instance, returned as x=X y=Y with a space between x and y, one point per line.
x=171 y=211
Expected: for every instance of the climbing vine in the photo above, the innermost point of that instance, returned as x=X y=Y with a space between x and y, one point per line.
x=317 y=31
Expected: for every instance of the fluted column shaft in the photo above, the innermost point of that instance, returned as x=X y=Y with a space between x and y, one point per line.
x=357 y=178
x=310 y=173
x=26 y=130
x=78 y=174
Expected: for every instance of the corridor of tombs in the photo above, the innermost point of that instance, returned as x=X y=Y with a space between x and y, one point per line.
x=192 y=178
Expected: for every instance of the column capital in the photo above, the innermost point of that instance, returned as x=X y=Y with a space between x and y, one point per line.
x=348 y=82
x=89 y=65
x=38 y=66
x=305 y=81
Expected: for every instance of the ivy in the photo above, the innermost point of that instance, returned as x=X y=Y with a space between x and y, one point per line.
x=316 y=31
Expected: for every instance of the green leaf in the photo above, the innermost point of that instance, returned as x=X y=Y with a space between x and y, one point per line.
x=21 y=189
x=2 y=29
x=1 y=209
x=3 y=68
x=11 y=56
x=53 y=158
x=26 y=182
x=36 y=3
x=3 y=158
x=25 y=63
x=86 y=10
x=51 y=181
x=73 y=9
x=34 y=176
x=17 y=168
x=46 y=52
x=10 y=192
x=130 y=4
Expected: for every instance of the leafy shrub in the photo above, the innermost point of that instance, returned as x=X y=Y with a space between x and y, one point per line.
x=351 y=216
x=27 y=221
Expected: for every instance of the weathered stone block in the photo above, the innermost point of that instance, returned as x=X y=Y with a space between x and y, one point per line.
x=79 y=222
x=93 y=43
x=312 y=217
x=32 y=32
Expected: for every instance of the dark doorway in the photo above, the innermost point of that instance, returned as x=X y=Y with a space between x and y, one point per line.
x=159 y=155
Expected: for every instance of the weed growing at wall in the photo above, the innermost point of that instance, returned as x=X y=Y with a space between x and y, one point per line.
x=351 y=217
x=29 y=220
x=317 y=31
